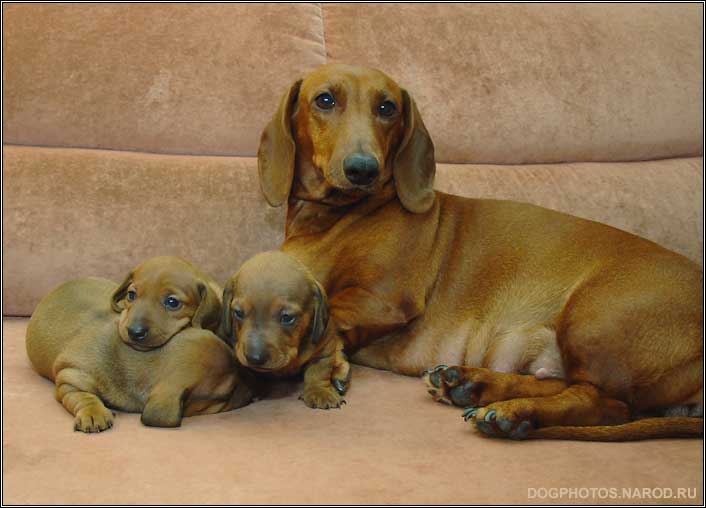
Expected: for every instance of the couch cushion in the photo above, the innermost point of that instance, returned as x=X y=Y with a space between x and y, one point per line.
x=69 y=213
x=508 y=83
x=188 y=78
x=659 y=200
x=390 y=444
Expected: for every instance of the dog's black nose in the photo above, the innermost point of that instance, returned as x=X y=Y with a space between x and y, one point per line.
x=361 y=168
x=257 y=353
x=138 y=332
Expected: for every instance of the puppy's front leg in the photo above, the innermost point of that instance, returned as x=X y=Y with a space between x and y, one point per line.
x=165 y=405
x=319 y=392
x=73 y=391
x=341 y=375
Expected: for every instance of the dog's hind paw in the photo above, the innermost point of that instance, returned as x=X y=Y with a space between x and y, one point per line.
x=502 y=420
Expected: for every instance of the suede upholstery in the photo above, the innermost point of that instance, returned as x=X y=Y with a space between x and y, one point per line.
x=110 y=210
x=131 y=130
x=390 y=444
x=511 y=84
x=188 y=78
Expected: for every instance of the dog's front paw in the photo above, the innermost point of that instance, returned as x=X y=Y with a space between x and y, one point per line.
x=318 y=397
x=94 y=419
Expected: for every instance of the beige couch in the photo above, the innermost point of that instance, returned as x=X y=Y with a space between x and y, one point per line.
x=131 y=130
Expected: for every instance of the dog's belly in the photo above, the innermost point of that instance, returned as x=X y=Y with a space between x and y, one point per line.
x=501 y=344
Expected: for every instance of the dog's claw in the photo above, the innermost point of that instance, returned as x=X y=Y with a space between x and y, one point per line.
x=490 y=416
x=469 y=412
x=340 y=386
x=431 y=370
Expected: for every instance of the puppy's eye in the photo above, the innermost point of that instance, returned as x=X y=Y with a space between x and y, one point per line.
x=287 y=319
x=131 y=295
x=239 y=314
x=387 y=109
x=325 y=101
x=172 y=303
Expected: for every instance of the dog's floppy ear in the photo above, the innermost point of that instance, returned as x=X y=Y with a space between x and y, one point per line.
x=414 y=166
x=318 y=329
x=227 y=317
x=276 y=155
x=117 y=300
x=208 y=313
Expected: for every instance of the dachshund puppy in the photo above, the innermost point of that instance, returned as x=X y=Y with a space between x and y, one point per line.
x=277 y=314
x=145 y=346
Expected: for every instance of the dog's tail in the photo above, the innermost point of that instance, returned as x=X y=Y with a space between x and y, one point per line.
x=648 y=428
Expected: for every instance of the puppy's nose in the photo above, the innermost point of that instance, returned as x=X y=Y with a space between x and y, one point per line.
x=257 y=353
x=138 y=332
x=361 y=168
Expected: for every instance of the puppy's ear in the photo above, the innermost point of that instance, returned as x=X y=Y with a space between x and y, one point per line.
x=117 y=300
x=208 y=313
x=226 y=316
x=275 y=157
x=318 y=329
x=414 y=166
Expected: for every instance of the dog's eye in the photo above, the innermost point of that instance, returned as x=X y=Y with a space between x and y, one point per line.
x=387 y=109
x=239 y=314
x=131 y=295
x=287 y=319
x=172 y=303
x=325 y=101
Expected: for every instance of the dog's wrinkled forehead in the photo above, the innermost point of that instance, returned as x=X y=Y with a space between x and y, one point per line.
x=165 y=273
x=273 y=274
x=351 y=83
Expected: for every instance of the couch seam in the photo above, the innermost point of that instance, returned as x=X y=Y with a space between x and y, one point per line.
x=122 y=150
x=252 y=156
x=323 y=30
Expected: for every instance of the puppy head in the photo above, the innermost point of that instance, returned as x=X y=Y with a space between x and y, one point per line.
x=161 y=297
x=343 y=133
x=272 y=310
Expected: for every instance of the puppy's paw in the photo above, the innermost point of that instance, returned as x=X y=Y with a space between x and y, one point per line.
x=94 y=419
x=318 y=397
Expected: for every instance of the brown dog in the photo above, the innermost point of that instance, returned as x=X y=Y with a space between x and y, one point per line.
x=560 y=322
x=145 y=346
x=276 y=314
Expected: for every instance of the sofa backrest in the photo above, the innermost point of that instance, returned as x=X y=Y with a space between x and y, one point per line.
x=496 y=83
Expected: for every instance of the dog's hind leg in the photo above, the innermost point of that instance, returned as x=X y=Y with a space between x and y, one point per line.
x=578 y=405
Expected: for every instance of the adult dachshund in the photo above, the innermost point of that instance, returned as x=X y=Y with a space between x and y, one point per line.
x=566 y=328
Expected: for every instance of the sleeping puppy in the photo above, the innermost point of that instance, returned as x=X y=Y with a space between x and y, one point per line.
x=276 y=315
x=146 y=345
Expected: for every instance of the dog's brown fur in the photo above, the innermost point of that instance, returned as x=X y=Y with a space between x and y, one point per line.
x=276 y=314
x=78 y=338
x=512 y=291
